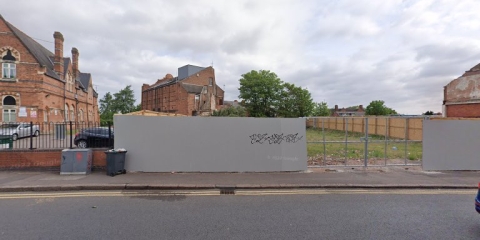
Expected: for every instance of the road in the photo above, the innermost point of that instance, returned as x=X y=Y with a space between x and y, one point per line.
x=308 y=214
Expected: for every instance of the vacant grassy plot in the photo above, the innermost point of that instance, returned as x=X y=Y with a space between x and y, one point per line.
x=336 y=149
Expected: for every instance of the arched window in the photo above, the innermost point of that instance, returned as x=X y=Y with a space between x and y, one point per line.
x=9 y=70
x=9 y=100
x=66 y=113
x=72 y=112
x=9 y=113
x=80 y=115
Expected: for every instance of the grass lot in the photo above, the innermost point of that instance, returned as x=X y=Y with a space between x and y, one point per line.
x=376 y=150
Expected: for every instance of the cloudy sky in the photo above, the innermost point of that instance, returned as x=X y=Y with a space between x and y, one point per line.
x=344 y=52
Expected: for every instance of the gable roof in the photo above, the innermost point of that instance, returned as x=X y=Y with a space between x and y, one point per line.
x=39 y=52
x=84 y=79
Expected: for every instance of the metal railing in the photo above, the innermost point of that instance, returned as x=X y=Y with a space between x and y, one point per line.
x=364 y=141
x=54 y=135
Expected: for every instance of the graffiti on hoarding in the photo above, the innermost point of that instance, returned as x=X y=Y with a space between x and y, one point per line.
x=274 y=138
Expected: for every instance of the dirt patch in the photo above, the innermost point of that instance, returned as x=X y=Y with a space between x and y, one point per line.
x=329 y=161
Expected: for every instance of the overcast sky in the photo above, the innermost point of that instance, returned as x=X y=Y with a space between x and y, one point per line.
x=344 y=52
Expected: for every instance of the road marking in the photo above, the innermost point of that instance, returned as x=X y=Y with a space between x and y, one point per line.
x=238 y=192
x=108 y=194
x=356 y=191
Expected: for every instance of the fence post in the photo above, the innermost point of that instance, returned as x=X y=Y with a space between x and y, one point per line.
x=386 y=140
x=71 y=135
x=324 y=144
x=406 y=139
x=346 y=139
x=31 y=135
x=366 y=142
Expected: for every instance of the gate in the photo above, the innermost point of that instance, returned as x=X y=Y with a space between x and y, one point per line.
x=364 y=141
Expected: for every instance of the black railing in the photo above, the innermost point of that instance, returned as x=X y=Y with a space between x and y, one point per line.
x=55 y=135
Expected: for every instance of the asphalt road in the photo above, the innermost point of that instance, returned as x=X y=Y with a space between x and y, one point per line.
x=258 y=215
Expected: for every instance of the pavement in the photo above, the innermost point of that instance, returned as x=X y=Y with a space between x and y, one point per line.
x=339 y=177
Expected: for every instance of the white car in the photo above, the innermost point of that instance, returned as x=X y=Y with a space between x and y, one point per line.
x=19 y=130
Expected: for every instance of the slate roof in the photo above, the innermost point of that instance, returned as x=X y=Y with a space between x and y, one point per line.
x=187 y=71
x=39 y=52
x=191 y=88
x=66 y=62
x=84 y=79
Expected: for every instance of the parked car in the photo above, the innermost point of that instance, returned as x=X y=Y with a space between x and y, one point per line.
x=94 y=137
x=19 y=130
x=477 y=200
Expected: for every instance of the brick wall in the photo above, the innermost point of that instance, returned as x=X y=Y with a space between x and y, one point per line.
x=463 y=110
x=42 y=159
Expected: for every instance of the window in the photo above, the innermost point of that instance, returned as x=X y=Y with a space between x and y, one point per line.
x=66 y=112
x=9 y=100
x=45 y=115
x=9 y=115
x=9 y=70
x=9 y=112
x=80 y=114
x=8 y=66
x=210 y=82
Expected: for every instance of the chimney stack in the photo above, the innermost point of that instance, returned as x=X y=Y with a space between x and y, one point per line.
x=360 y=108
x=75 y=55
x=336 y=108
x=58 y=59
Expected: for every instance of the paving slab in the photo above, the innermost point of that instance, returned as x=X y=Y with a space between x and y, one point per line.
x=386 y=177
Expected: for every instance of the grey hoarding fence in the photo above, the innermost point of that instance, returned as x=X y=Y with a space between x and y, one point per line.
x=364 y=141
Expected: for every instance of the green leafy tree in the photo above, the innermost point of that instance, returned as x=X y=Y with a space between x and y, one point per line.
x=261 y=92
x=124 y=100
x=295 y=102
x=428 y=113
x=106 y=108
x=321 y=109
x=378 y=108
x=121 y=102
x=232 y=111
x=138 y=107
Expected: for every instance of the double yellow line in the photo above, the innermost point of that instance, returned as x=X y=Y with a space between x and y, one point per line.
x=106 y=194
x=357 y=191
x=238 y=192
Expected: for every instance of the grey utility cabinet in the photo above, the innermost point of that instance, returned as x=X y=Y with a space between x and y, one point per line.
x=76 y=161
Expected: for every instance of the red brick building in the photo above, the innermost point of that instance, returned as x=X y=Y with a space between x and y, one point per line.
x=461 y=97
x=40 y=86
x=356 y=111
x=193 y=92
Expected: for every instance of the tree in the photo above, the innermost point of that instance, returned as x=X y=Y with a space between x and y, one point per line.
x=106 y=108
x=428 y=113
x=295 y=102
x=378 y=108
x=138 y=107
x=124 y=101
x=321 y=109
x=261 y=92
x=232 y=111
x=121 y=102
